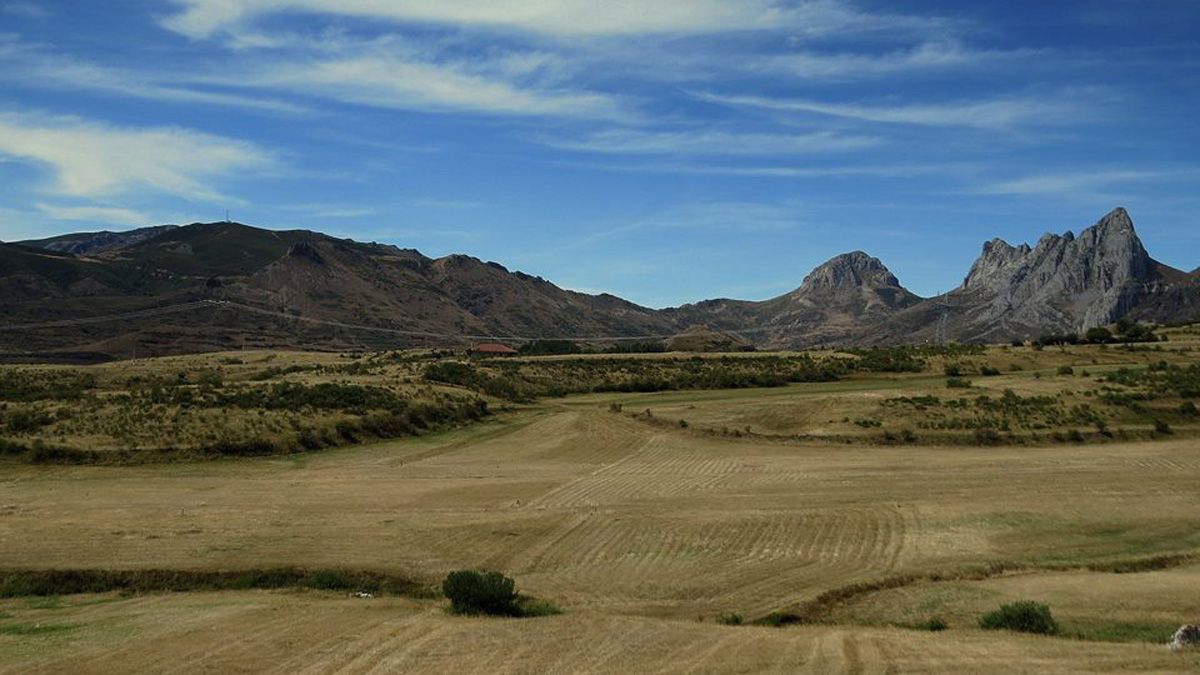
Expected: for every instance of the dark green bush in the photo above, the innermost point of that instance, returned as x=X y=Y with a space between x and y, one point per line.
x=1024 y=616
x=957 y=383
x=1066 y=370
x=474 y=592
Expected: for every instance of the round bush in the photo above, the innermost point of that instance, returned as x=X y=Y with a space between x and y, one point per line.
x=472 y=592
x=1025 y=616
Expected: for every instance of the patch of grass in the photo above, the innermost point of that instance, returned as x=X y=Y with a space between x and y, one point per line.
x=819 y=609
x=55 y=582
x=1100 y=630
x=35 y=629
x=45 y=602
x=528 y=607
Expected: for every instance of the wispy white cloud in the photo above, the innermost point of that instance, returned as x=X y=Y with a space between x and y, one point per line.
x=1073 y=183
x=728 y=216
x=880 y=170
x=925 y=57
x=627 y=141
x=387 y=80
x=97 y=214
x=330 y=210
x=32 y=66
x=450 y=204
x=91 y=159
x=203 y=18
x=997 y=113
x=28 y=10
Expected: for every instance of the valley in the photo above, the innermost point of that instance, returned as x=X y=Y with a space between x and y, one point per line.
x=656 y=520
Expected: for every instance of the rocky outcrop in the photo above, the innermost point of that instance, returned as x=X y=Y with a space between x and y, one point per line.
x=854 y=281
x=1187 y=637
x=1065 y=282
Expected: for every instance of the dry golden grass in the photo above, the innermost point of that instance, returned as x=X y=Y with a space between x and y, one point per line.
x=644 y=533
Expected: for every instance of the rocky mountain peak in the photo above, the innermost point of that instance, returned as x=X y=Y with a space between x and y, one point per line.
x=1066 y=281
x=849 y=270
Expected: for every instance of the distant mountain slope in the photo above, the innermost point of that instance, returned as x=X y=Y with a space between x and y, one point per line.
x=1064 y=283
x=84 y=243
x=832 y=304
x=388 y=286
x=305 y=289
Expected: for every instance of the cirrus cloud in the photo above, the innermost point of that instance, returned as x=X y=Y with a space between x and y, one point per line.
x=91 y=159
x=565 y=18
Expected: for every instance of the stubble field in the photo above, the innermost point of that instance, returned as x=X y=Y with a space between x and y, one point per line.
x=651 y=535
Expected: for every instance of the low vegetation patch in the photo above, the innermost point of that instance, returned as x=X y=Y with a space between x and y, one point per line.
x=1023 y=616
x=523 y=381
x=491 y=593
x=934 y=624
x=820 y=608
x=35 y=629
x=53 y=582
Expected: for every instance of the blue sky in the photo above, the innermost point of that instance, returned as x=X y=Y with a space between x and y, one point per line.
x=666 y=151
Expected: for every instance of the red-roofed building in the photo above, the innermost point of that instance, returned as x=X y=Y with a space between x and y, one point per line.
x=493 y=349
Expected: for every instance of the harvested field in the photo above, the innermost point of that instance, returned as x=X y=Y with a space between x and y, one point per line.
x=645 y=532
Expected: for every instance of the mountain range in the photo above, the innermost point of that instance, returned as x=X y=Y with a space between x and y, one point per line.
x=223 y=285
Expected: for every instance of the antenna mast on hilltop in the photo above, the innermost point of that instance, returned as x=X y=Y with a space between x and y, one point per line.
x=227 y=216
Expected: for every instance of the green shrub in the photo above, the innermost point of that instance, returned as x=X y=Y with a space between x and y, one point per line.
x=1188 y=409
x=957 y=383
x=730 y=619
x=472 y=592
x=935 y=624
x=1161 y=427
x=988 y=371
x=25 y=420
x=987 y=437
x=1024 y=616
x=1066 y=370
